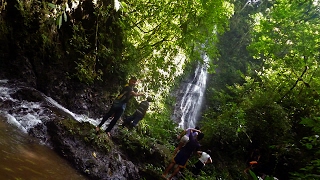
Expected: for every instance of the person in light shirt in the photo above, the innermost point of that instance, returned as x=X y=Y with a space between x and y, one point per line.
x=204 y=158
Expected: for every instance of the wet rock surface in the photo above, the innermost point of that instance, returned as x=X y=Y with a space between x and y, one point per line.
x=97 y=157
x=48 y=123
x=94 y=162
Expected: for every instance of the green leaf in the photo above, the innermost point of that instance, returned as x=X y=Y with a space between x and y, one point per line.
x=309 y=146
x=53 y=6
x=124 y=6
x=268 y=178
x=253 y=175
x=60 y=21
x=65 y=16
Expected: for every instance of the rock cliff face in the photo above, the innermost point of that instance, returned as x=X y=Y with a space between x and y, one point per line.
x=98 y=157
x=106 y=162
x=52 y=129
x=81 y=98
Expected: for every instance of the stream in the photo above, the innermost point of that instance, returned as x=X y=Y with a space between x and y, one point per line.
x=23 y=157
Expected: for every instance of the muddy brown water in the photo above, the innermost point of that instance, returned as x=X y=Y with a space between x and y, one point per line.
x=23 y=158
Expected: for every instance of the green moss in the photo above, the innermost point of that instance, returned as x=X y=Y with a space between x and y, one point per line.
x=86 y=132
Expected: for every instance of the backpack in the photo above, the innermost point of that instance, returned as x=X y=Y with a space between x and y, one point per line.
x=122 y=97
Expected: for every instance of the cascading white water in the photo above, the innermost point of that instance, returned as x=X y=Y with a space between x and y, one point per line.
x=189 y=105
x=21 y=155
x=25 y=114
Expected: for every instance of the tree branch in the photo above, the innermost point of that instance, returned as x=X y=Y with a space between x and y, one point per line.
x=295 y=84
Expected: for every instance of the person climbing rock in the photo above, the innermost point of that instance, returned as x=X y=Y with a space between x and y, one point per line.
x=138 y=115
x=119 y=105
x=183 y=155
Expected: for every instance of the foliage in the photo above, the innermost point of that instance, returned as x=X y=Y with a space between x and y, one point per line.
x=269 y=98
x=87 y=41
x=287 y=39
x=256 y=178
x=94 y=43
x=311 y=143
x=143 y=148
x=265 y=106
x=234 y=59
x=158 y=127
x=166 y=34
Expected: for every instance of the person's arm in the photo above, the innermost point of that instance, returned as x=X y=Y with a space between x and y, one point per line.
x=181 y=134
x=199 y=153
x=209 y=160
x=136 y=93
x=194 y=130
x=258 y=158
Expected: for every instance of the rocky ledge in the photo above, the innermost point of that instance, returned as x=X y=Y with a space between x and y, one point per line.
x=98 y=157
x=102 y=157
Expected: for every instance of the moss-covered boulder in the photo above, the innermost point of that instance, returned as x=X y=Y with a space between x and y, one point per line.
x=95 y=156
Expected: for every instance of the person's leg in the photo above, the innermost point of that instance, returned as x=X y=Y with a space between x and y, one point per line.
x=166 y=171
x=180 y=145
x=177 y=148
x=176 y=170
x=136 y=120
x=128 y=120
x=197 y=167
x=117 y=113
x=246 y=170
x=106 y=117
x=195 y=171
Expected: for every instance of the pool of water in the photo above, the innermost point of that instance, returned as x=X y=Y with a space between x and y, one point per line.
x=24 y=158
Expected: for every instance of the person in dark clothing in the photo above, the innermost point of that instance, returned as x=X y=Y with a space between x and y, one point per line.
x=184 y=139
x=204 y=158
x=183 y=155
x=119 y=105
x=253 y=160
x=139 y=114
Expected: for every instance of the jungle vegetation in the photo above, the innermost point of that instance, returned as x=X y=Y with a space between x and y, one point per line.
x=263 y=90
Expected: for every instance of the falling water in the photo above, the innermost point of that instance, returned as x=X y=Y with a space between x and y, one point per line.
x=27 y=111
x=188 y=107
x=22 y=157
x=25 y=114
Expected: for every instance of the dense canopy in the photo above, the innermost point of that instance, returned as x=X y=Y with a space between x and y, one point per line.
x=263 y=90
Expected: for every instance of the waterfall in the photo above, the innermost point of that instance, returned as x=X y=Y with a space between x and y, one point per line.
x=22 y=157
x=190 y=97
x=25 y=107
